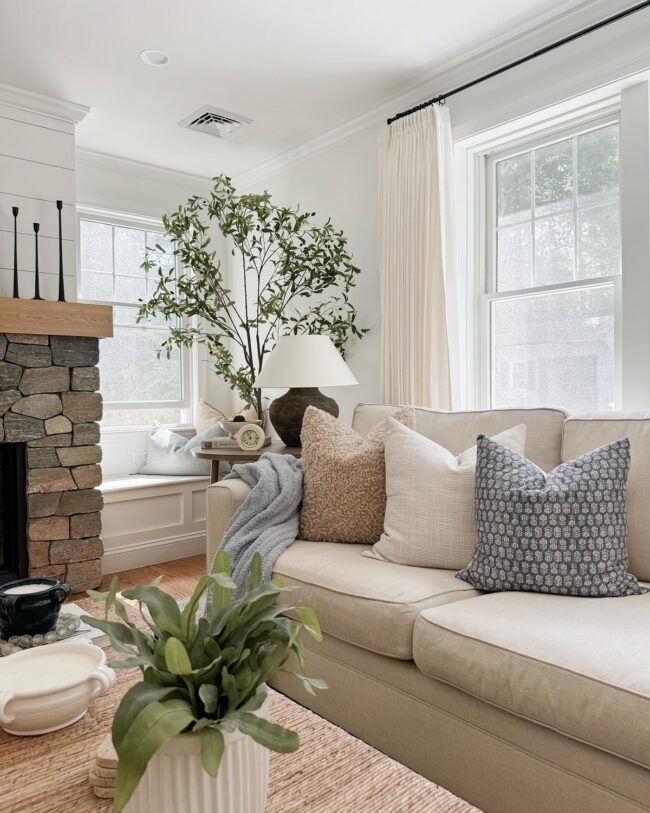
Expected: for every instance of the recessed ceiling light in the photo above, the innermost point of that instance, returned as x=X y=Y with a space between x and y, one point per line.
x=155 y=58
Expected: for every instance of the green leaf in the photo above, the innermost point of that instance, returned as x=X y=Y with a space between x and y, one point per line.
x=137 y=698
x=307 y=618
x=155 y=725
x=156 y=601
x=270 y=735
x=254 y=575
x=212 y=748
x=312 y=683
x=176 y=657
x=210 y=697
x=187 y=616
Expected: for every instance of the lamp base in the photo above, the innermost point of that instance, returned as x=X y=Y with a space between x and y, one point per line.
x=287 y=411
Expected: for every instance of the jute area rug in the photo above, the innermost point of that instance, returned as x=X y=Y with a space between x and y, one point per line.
x=332 y=772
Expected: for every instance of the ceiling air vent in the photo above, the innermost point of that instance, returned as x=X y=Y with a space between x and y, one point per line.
x=213 y=121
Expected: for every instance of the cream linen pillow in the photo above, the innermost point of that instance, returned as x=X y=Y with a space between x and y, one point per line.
x=344 y=493
x=430 y=518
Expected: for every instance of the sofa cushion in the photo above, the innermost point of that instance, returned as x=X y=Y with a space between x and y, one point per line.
x=458 y=431
x=429 y=519
x=579 y=666
x=362 y=601
x=585 y=432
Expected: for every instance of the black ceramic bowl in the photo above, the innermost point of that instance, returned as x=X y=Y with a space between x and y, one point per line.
x=25 y=610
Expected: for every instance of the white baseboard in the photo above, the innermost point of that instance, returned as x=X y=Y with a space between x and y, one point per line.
x=127 y=557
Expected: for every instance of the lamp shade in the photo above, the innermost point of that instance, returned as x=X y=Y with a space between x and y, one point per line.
x=305 y=361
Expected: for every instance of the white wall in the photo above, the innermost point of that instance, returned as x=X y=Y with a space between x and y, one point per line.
x=336 y=175
x=341 y=183
x=106 y=182
x=37 y=168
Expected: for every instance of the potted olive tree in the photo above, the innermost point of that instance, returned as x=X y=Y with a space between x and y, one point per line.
x=195 y=727
x=290 y=275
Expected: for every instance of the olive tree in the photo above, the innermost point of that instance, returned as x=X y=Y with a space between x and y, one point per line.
x=294 y=276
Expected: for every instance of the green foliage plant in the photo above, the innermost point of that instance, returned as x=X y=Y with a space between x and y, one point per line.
x=295 y=277
x=204 y=673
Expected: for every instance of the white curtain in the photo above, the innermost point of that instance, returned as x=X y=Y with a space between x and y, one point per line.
x=417 y=259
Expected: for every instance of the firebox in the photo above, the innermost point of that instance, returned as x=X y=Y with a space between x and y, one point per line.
x=13 y=512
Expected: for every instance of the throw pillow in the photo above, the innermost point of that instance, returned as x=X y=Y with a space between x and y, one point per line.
x=429 y=518
x=206 y=416
x=564 y=532
x=344 y=482
x=169 y=453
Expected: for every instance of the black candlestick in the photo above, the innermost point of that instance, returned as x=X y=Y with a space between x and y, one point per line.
x=37 y=293
x=59 y=206
x=14 y=209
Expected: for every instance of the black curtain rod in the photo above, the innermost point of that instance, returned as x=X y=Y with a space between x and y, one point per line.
x=583 y=32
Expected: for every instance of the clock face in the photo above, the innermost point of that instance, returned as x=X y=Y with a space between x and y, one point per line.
x=250 y=437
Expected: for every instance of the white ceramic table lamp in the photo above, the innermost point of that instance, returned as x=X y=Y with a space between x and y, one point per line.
x=303 y=364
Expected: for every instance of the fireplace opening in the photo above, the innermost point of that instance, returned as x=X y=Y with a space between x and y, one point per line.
x=13 y=512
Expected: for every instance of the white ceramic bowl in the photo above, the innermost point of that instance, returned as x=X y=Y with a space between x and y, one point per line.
x=232 y=427
x=50 y=687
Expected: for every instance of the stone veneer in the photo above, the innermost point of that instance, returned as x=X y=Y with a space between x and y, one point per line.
x=49 y=401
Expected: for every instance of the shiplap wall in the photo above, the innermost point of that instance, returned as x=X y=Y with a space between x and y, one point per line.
x=37 y=167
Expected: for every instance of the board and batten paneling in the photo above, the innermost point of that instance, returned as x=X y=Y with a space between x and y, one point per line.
x=34 y=210
x=37 y=168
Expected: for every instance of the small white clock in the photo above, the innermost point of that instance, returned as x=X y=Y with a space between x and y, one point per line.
x=250 y=437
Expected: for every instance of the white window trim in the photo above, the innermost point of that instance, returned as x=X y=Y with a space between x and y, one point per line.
x=471 y=157
x=487 y=291
x=190 y=356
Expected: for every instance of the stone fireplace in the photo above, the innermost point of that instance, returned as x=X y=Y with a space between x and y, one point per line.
x=49 y=412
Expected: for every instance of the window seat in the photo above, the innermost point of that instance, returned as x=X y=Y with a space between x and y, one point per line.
x=129 y=481
x=148 y=519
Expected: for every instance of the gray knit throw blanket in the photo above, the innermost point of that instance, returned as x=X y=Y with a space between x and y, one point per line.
x=267 y=520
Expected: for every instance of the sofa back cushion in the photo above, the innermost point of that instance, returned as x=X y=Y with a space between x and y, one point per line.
x=458 y=431
x=583 y=433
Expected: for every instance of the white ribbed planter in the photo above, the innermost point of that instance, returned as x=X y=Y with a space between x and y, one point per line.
x=175 y=781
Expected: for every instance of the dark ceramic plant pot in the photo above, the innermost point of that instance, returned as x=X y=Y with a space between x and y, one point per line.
x=287 y=411
x=31 y=613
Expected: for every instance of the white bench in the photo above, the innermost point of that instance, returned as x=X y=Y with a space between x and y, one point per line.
x=152 y=518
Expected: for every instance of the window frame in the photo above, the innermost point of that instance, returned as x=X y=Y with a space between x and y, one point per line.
x=485 y=284
x=188 y=356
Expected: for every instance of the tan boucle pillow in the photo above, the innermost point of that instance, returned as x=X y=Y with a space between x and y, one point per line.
x=344 y=479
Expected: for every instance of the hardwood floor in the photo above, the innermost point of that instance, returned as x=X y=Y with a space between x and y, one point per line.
x=179 y=577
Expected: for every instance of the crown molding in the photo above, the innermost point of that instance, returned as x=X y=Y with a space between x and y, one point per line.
x=44 y=105
x=138 y=169
x=523 y=40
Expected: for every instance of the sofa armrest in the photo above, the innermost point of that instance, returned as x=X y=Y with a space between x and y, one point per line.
x=222 y=501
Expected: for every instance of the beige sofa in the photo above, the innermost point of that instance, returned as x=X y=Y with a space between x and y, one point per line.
x=517 y=702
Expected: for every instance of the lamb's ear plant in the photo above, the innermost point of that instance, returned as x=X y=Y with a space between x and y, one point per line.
x=203 y=673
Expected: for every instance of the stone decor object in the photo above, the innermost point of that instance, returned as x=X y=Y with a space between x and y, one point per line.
x=49 y=401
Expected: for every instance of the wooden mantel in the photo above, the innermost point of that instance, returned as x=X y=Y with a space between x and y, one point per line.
x=48 y=318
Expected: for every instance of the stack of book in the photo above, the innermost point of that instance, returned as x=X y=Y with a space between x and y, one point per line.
x=226 y=443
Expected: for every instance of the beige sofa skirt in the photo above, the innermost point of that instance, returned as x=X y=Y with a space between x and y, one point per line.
x=497 y=761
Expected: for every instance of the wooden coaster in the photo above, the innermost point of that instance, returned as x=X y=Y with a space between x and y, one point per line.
x=106 y=756
x=100 y=781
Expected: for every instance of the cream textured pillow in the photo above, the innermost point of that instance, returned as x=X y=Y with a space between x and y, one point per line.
x=430 y=509
x=344 y=493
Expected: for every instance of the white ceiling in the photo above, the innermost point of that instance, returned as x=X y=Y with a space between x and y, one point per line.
x=298 y=68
